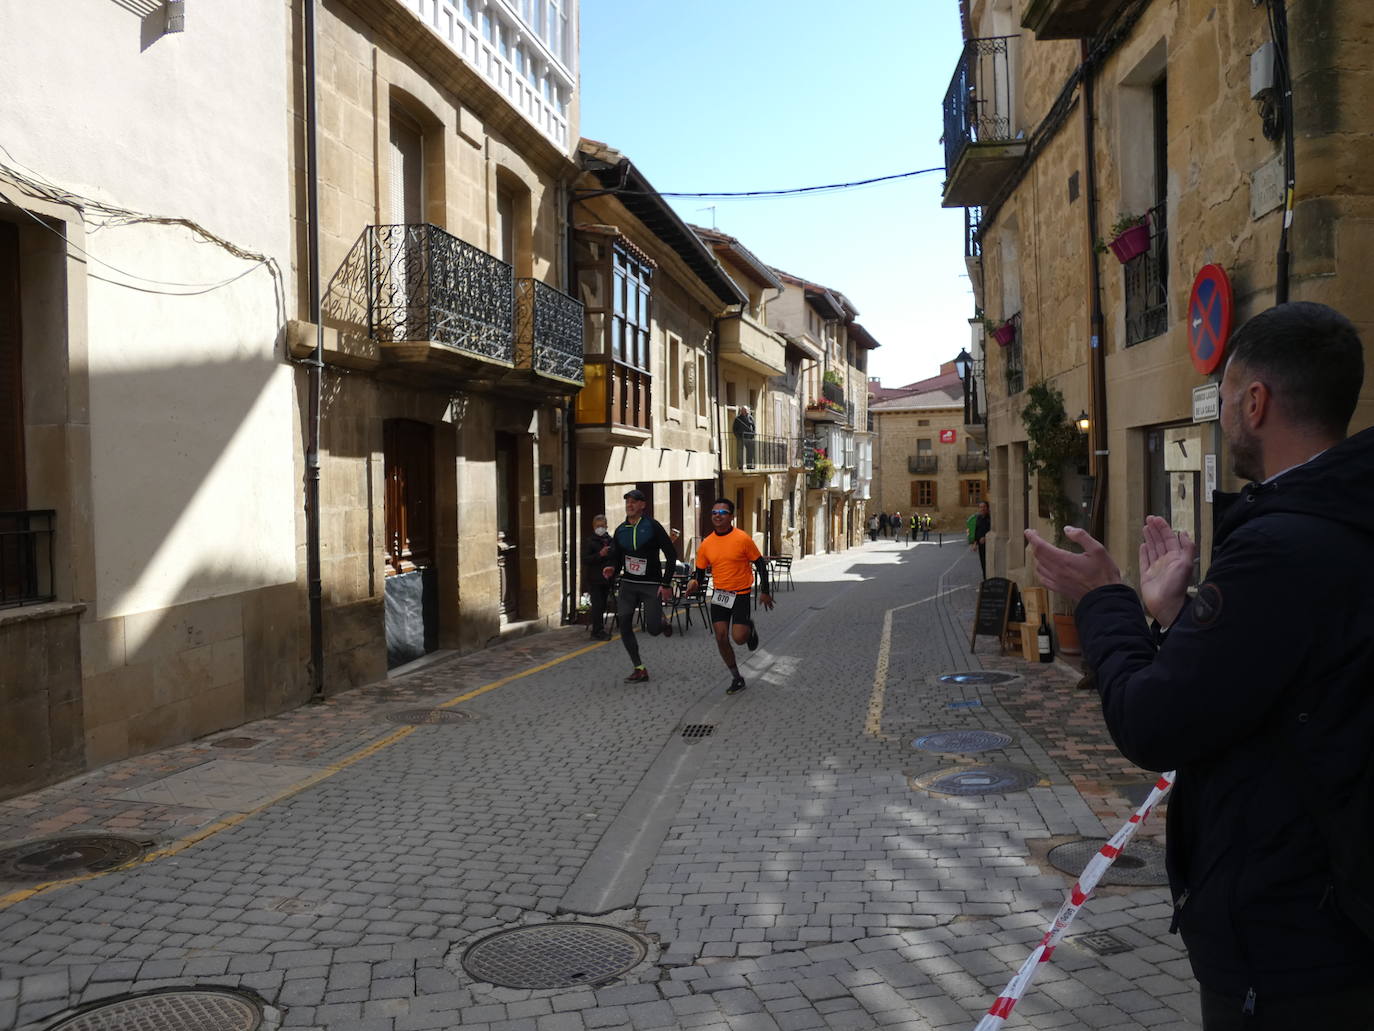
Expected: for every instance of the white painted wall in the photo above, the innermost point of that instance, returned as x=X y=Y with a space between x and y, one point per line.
x=191 y=405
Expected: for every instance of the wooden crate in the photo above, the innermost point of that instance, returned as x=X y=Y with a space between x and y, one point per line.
x=1036 y=600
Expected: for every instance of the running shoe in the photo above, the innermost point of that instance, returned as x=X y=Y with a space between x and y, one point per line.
x=638 y=676
x=668 y=629
x=753 y=637
x=737 y=685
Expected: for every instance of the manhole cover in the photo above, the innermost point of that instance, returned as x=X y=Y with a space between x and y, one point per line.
x=553 y=956
x=235 y=742
x=68 y=857
x=962 y=741
x=993 y=779
x=424 y=717
x=980 y=676
x=697 y=731
x=1101 y=943
x=1141 y=864
x=209 y=1010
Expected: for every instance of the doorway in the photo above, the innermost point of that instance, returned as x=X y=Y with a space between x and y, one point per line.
x=508 y=538
x=411 y=591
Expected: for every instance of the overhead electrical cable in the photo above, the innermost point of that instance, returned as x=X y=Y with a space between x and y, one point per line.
x=723 y=194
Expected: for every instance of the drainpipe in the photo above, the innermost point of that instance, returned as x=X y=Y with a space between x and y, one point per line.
x=315 y=367
x=1285 y=84
x=1097 y=365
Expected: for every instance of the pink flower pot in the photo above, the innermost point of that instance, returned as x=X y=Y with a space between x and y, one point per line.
x=1005 y=333
x=1131 y=244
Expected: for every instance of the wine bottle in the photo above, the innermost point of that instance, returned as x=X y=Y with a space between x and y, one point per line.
x=1042 y=638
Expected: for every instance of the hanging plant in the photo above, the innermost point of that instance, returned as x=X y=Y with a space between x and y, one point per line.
x=1130 y=237
x=1052 y=442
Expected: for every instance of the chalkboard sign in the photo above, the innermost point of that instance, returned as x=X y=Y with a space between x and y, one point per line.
x=991 y=612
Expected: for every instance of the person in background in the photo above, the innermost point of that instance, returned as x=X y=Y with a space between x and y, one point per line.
x=595 y=550
x=744 y=433
x=979 y=526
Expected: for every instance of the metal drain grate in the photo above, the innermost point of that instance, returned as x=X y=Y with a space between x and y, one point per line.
x=182 y=1010
x=962 y=741
x=1141 y=864
x=554 y=956
x=977 y=676
x=236 y=742
x=697 y=731
x=1101 y=943
x=427 y=717
x=992 y=779
x=68 y=857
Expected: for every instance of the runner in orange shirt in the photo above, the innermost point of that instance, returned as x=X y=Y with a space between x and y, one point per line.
x=728 y=553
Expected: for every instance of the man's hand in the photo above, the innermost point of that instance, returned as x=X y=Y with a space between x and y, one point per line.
x=665 y=594
x=605 y=551
x=693 y=586
x=608 y=571
x=1072 y=575
x=766 y=600
x=1166 y=566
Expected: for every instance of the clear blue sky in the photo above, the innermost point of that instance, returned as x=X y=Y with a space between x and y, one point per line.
x=772 y=94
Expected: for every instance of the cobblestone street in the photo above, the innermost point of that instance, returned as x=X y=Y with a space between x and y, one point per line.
x=783 y=864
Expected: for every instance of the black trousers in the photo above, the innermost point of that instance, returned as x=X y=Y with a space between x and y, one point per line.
x=632 y=595
x=983 y=556
x=598 y=592
x=1347 y=1010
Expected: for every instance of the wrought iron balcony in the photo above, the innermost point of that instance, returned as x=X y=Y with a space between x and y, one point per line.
x=923 y=464
x=26 y=557
x=971 y=463
x=1147 y=283
x=832 y=392
x=423 y=295
x=982 y=145
x=548 y=331
x=756 y=454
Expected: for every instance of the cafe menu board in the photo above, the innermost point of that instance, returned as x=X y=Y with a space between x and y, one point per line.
x=993 y=609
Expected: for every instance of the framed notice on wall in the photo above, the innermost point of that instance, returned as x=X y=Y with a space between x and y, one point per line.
x=948 y=436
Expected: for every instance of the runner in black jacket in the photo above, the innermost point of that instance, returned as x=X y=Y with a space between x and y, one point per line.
x=1260 y=690
x=635 y=548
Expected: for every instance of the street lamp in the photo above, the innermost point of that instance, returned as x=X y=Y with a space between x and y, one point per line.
x=1083 y=423
x=962 y=362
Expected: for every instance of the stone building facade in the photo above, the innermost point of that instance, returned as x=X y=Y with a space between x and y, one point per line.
x=654 y=295
x=451 y=346
x=146 y=412
x=926 y=461
x=1063 y=117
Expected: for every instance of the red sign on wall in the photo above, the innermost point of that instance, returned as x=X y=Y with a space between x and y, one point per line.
x=947 y=436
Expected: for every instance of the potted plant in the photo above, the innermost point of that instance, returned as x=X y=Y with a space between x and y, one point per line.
x=1005 y=333
x=833 y=377
x=1066 y=634
x=1130 y=237
x=1052 y=443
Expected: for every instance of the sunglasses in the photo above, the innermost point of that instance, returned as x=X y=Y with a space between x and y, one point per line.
x=720 y=511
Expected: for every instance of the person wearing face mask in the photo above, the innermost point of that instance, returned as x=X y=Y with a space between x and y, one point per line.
x=595 y=548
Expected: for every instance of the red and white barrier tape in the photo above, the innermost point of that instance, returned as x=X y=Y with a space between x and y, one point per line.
x=1078 y=895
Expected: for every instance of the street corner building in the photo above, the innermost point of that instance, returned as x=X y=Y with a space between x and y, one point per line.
x=1137 y=180
x=353 y=260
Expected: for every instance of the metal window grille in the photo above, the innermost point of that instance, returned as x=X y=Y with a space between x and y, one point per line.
x=26 y=557
x=1147 y=284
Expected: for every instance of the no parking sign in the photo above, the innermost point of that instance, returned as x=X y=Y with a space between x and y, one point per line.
x=1209 y=318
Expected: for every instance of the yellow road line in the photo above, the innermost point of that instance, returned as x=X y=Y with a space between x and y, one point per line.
x=194 y=837
x=873 y=726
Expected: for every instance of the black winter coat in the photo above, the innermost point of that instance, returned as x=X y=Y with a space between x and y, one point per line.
x=1261 y=696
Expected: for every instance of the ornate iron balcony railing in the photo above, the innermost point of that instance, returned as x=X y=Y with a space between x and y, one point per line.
x=549 y=330
x=423 y=283
x=922 y=464
x=833 y=392
x=978 y=102
x=971 y=463
x=748 y=454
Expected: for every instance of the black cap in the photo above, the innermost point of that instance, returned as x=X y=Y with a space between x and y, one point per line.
x=635 y=495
